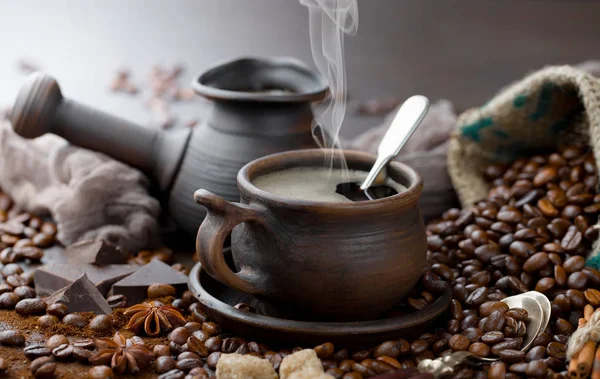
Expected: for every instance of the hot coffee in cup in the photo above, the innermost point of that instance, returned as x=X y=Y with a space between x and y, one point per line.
x=321 y=184
x=333 y=259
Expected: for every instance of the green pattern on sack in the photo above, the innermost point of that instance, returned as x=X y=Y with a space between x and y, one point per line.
x=472 y=130
x=594 y=261
x=500 y=133
x=544 y=101
x=519 y=101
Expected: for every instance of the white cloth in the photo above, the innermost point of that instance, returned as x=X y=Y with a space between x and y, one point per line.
x=88 y=194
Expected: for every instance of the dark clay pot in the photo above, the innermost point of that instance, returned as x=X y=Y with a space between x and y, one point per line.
x=332 y=261
x=249 y=120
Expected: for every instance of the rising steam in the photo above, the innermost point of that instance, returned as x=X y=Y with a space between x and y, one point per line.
x=329 y=20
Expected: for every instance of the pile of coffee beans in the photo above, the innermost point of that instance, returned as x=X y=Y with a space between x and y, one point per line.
x=22 y=235
x=532 y=232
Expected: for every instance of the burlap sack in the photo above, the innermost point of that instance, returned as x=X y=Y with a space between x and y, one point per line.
x=553 y=106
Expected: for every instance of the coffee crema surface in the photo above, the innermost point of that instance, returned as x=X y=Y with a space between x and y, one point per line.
x=313 y=183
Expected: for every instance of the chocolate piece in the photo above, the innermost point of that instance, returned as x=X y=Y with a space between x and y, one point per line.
x=135 y=286
x=54 y=276
x=81 y=296
x=98 y=252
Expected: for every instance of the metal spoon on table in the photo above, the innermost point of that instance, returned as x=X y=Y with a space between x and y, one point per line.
x=538 y=308
x=404 y=124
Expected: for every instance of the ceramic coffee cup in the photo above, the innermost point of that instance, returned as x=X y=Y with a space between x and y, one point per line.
x=332 y=261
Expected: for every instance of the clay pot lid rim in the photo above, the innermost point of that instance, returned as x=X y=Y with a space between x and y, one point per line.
x=419 y=317
x=318 y=91
x=401 y=200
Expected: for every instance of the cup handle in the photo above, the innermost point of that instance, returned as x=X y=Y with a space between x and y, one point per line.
x=220 y=220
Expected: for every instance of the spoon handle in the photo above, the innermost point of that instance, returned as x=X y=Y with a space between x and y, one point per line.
x=403 y=125
x=443 y=367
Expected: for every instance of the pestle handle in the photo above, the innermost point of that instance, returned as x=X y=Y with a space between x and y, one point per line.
x=40 y=108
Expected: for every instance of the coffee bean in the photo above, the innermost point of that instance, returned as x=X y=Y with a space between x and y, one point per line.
x=536 y=353
x=508 y=343
x=43 y=240
x=101 y=372
x=518 y=314
x=560 y=276
x=196 y=346
x=547 y=208
x=512 y=356
x=82 y=355
x=480 y=349
x=213 y=358
x=536 y=262
x=75 y=320
x=3 y=365
x=213 y=344
x=43 y=367
x=388 y=348
x=497 y=370
x=536 y=369
x=48 y=228
x=485 y=252
x=34 y=351
x=173 y=374
x=516 y=285
x=545 y=284
x=63 y=352
x=577 y=280
x=518 y=368
x=101 y=324
x=47 y=321
x=592 y=296
x=25 y=292
x=573 y=264
x=473 y=334
x=188 y=364
x=459 y=342
x=211 y=328
x=576 y=298
x=11 y=338
x=562 y=326
x=8 y=300
x=495 y=321
x=28 y=307
x=477 y=297
x=158 y=290
x=164 y=364
x=571 y=240
x=542 y=339
x=57 y=309
x=117 y=301
x=556 y=350
x=492 y=337
x=56 y=340
x=179 y=335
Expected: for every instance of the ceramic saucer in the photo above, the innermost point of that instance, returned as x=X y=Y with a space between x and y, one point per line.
x=218 y=300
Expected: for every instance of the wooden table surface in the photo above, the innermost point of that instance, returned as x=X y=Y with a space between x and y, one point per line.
x=461 y=50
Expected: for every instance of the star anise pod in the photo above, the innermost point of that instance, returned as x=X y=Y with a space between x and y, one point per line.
x=154 y=317
x=123 y=355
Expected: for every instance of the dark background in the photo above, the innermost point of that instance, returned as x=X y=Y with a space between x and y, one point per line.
x=461 y=50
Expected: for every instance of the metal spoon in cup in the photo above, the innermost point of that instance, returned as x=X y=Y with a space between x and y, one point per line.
x=403 y=125
x=538 y=308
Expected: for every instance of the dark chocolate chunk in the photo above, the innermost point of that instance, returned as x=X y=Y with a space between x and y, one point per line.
x=81 y=296
x=98 y=252
x=54 y=276
x=135 y=286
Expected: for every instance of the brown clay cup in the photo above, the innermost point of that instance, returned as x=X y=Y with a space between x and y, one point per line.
x=331 y=261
